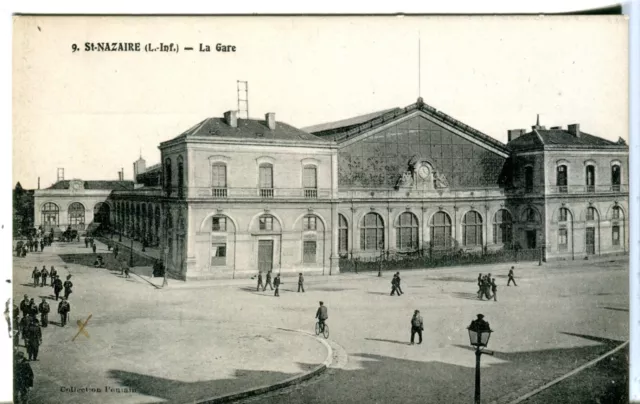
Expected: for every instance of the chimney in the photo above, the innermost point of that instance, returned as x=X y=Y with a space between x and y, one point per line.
x=119 y=175
x=38 y=182
x=537 y=125
x=513 y=134
x=231 y=118
x=271 y=120
x=574 y=129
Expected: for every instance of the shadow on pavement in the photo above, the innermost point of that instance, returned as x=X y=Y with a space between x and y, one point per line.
x=388 y=340
x=613 y=308
x=384 y=379
x=464 y=295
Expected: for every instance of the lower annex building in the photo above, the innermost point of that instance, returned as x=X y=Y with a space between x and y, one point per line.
x=233 y=196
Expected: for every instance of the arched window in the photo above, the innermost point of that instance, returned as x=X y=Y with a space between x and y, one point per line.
x=531 y=216
x=616 y=213
x=310 y=182
x=180 y=177
x=219 y=180
x=528 y=178
x=50 y=215
x=167 y=176
x=343 y=235
x=615 y=177
x=472 y=229
x=265 y=223
x=156 y=222
x=441 y=230
x=76 y=216
x=407 y=232
x=266 y=180
x=591 y=213
x=310 y=223
x=502 y=227
x=561 y=178
x=372 y=232
x=563 y=215
x=590 y=174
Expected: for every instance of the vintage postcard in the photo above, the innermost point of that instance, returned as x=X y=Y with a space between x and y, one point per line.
x=320 y=209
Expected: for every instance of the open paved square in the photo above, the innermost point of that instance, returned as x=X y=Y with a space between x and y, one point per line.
x=192 y=341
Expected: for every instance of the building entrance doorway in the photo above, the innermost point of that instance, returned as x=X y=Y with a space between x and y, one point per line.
x=265 y=255
x=591 y=240
x=531 y=239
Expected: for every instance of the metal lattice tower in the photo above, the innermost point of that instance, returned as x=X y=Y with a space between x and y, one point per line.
x=243 y=99
x=60 y=174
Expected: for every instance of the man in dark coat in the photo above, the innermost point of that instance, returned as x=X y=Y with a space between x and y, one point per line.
x=300 y=282
x=268 y=281
x=67 y=287
x=494 y=289
x=115 y=251
x=22 y=378
x=86 y=242
x=400 y=292
x=394 y=285
x=259 y=281
x=33 y=308
x=416 y=326
x=511 y=278
x=42 y=244
x=24 y=306
x=44 y=312
x=322 y=314
x=44 y=274
x=276 y=284
x=93 y=247
x=487 y=289
x=480 y=281
x=36 y=277
x=53 y=273
x=57 y=286
x=63 y=309
x=34 y=339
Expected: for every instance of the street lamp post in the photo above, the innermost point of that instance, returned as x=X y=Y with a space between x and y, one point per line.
x=479 y=333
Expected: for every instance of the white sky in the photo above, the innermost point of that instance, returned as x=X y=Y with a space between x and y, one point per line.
x=92 y=113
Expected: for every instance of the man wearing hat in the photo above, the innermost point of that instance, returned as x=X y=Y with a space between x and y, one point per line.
x=44 y=273
x=259 y=281
x=57 y=286
x=22 y=378
x=24 y=306
x=300 y=282
x=63 y=309
x=34 y=339
x=53 y=273
x=276 y=285
x=44 y=312
x=33 y=308
x=36 y=277
x=67 y=287
x=416 y=326
x=511 y=278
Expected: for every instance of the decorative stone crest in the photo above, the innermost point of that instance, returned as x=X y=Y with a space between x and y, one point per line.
x=310 y=210
x=440 y=181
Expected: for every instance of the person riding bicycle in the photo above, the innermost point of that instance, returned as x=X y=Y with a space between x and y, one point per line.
x=322 y=315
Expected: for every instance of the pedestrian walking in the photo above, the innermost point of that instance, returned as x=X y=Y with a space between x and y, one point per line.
x=64 y=307
x=33 y=308
x=480 y=281
x=24 y=323
x=67 y=287
x=115 y=252
x=93 y=247
x=259 y=281
x=44 y=310
x=268 y=281
x=511 y=278
x=57 y=286
x=53 y=273
x=86 y=242
x=416 y=327
x=494 y=289
x=42 y=244
x=276 y=283
x=36 y=277
x=44 y=274
x=300 y=282
x=400 y=292
x=24 y=306
x=34 y=339
x=487 y=286
x=394 y=285
x=22 y=378
x=126 y=271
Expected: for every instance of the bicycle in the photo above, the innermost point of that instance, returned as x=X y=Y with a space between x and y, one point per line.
x=324 y=332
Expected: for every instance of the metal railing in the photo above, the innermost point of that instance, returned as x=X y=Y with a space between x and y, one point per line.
x=310 y=193
x=257 y=193
x=569 y=189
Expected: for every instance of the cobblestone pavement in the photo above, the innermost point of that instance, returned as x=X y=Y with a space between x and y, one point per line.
x=560 y=316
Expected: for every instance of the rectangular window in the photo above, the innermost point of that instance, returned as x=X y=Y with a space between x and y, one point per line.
x=309 y=252
x=266 y=223
x=218 y=254
x=615 y=235
x=562 y=239
x=343 y=245
x=563 y=215
x=590 y=213
x=219 y=180
x=219 y=224
x=310 y=223
x=372 y=239
x=266 y=177
x=309 y=179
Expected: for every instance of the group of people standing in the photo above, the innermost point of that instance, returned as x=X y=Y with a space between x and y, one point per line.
x=40 y=279
x=276 y=283
x=488 y=288
x=395 y=284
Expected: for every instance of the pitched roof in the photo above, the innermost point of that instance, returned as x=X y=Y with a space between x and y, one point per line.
x=329 y=128
x=95 y=185
x=560 y=138
x=342 y=133
x=246 y=129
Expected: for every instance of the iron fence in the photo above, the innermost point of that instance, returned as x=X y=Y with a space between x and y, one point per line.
x=425 y=259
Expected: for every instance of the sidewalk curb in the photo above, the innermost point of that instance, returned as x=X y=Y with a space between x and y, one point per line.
x=276 y=386
x=567 y=375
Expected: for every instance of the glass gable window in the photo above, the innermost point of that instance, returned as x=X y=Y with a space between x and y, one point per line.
x=502 y=227
x=472 y=229
x=76 y=216
x=441 y=230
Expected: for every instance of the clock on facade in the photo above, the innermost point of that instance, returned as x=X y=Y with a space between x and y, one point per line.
x=423 y=171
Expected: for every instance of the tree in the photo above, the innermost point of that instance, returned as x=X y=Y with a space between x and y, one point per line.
x=23 y=203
